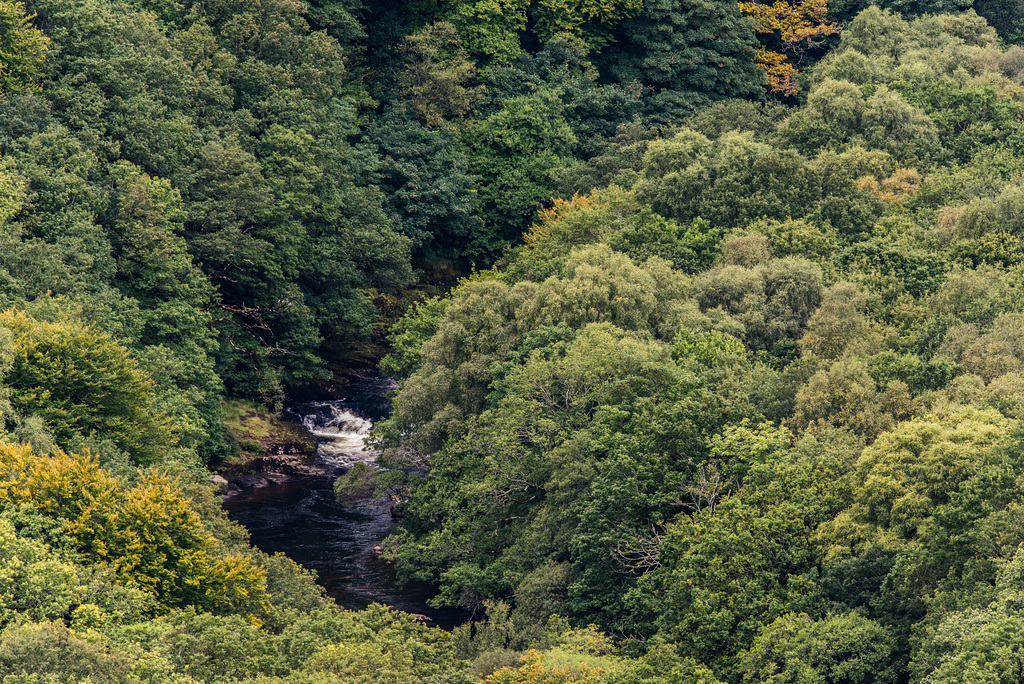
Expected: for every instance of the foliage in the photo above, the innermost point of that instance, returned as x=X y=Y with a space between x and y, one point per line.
x=82 y=384
x=515 y=152
x=434 y=78
x=798 y=26
x=235 y=175
x=408 y=335
x=426 y=181
x=359 y=482
x=148 y=534
x=909 y=488
x=722 y=389
x=687 y=54
x=840 y=648
x=591 y=21
x=489 y=321
x=532 y=671
x=989 y=634
x=742 y=561
x=734 y=181
x=489 y=28
x=23 y=49
x=526 y=459
x=37 y=584
x=613 y=217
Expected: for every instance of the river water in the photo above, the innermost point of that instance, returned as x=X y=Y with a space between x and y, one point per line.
x=301 y=518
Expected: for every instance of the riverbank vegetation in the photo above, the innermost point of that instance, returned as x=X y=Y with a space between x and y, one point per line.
x=727 y=385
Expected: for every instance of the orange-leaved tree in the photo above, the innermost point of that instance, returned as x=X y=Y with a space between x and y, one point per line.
x=788 y=27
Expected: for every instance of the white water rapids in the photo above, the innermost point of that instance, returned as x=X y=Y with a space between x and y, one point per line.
x=302 y=518
x=341 y=433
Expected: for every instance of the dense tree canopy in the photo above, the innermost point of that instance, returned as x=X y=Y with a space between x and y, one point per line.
x=797 y=462
x=706 y=319
x=687 y=53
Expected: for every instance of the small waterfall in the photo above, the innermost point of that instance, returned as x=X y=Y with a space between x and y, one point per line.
x=340 y=431
x=302 y=519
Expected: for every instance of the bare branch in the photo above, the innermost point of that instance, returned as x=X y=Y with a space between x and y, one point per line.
x=706 y=492
x=638 y=557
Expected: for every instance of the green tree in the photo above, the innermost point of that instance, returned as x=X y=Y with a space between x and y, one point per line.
x=438 y=76
x=593 y=109
x=736 y=181
x=490 y=29
x=1005 y=17
x=840 y=649
x=23 y=49
x=31 y=651
x=981 y=643
x=744 y=557
x=82 y=383
x=506 y=498
x=425 y=182
x=341 y=20
x=842 y=395
x=514 y=153
x=592 y=21
x=839 y=326
x=153 y=260
x=925 y=496
x=686 y=54
x=767 y=304
x=486 y=322
x=989 y=355
x=245 y=112
x=837 y=113
x=532 y=670
x=174 y=298
x=38 y=585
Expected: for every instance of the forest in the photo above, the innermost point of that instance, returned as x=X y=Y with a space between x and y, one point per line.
x=707 y=319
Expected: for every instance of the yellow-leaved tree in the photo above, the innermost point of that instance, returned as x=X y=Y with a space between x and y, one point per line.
x=148 y=535
x=787 y=27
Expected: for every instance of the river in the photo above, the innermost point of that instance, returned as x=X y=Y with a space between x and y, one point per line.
x=301 y=518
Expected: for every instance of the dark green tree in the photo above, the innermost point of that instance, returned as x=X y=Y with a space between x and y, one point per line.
x=686 y=54
x=23 y=48
x=515 y=153
x=425 y=181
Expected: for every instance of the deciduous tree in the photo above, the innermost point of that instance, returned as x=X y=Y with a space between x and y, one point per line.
x=686 y=53
x=794 y=26
x=23 y=49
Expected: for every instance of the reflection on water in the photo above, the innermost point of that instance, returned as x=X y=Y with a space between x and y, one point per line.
x=301 y=518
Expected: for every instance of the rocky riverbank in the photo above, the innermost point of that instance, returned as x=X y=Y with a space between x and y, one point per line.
x=270 y=449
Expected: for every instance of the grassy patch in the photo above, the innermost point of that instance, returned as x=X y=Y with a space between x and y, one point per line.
x=258 y=432
x=249 y=421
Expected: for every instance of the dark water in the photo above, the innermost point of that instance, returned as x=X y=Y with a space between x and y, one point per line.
x=301 y=518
